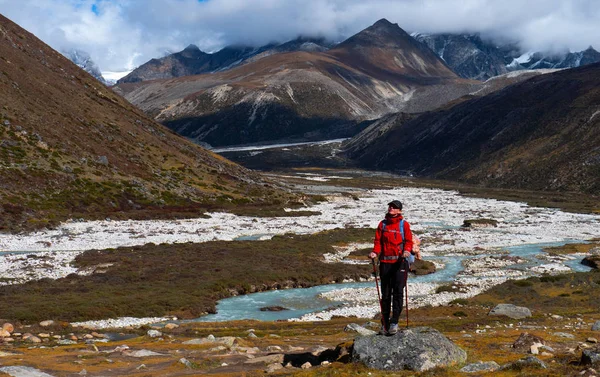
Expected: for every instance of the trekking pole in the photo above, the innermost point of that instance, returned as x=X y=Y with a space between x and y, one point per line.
x=406 y=289
x=378 y=293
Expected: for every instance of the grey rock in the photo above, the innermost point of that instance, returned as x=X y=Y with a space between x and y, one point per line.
x=6 y=122
x=46 y=323
x=154 y=333
x=8 y=143
x=186 y=362
x=596 y=326
x=359 y=329
x=417 y=349
x=565 y=335
x=269 y=359
x=66 y=342
x=273 y=367
x=480 y=366
x=102 y=160
x=511 y=311
x=143 y=353
x=591 y=356
x=526 y=361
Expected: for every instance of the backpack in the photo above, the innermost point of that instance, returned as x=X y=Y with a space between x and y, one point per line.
x=411 y=258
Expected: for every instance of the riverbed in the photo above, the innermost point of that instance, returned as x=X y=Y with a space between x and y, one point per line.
x=435 y=215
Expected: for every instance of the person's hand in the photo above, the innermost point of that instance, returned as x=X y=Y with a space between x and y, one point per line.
x=372 y=255
x=418 y=255
x=406 y=254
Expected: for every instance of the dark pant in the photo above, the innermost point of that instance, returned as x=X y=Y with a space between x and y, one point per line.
x=393 y=280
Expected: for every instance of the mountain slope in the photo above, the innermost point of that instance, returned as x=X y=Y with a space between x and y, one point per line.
x=304 y=95
x=70 y=146
x=540 y=134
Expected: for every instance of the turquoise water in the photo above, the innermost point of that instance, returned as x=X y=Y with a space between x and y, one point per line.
x=300 y=301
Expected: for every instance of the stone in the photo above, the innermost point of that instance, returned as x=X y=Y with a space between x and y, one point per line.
x=269 y=359
x=43 y=335
x=4 y=333
x=274 y=349
x=273 y=309
x=592 y=340
x=564 y=335
x=102 y=160
x=252 y=335
x=359 y=329
x=8 y=327
x=526 y=341
x=526 y=361
x=171 y=326
x=511 y=311
x=186 y=362
x=154 y=333
x=33 y=339
x=47 y=323
x=591 y=356
x=143 y=353
x=66 y=342
x=306 y=365
x=97 y=335
x=592 y=261
x=417 y=349
x=273 y=367
x=480 y=366
x=596 y=326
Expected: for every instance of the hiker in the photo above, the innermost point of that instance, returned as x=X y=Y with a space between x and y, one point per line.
x=394 y=246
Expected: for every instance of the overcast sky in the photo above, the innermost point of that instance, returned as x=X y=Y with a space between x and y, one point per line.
x=122 y=34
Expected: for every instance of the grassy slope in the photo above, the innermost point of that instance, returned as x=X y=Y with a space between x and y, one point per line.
x=70 y=147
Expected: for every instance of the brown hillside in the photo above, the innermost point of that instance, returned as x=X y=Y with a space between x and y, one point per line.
x=540 y=134
x=71 y=147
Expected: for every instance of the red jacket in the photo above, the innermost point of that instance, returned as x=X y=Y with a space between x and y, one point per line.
x=389 y=242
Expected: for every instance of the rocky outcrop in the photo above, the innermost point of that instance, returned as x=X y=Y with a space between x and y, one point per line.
x=592 y=261
x=591 y=356
x=510 y=310
x=417 y=349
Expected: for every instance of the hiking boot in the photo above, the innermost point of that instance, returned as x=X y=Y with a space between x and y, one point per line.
x=383 y=331
x=393 y=329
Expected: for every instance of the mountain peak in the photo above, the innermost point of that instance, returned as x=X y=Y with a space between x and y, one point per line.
x=192 y=47
x=384 y=23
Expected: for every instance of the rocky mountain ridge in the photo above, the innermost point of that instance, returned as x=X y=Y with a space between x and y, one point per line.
x=473 y=57
x=192 y=61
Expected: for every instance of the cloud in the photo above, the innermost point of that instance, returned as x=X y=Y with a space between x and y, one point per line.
x=121 y=34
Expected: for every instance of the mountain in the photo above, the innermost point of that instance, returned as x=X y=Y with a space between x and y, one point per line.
x=472 y=57
x=541 y=134
x=302 y=95
x=192 y=61
x=468 y=55
x=539 y=60
x=69 y=147
x=84 y=61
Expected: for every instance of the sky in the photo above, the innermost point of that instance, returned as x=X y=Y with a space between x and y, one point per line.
x=120 y=35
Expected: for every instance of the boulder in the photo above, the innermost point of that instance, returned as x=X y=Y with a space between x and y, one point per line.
x=417 y=349
x=526 y=341
x=359 y=329
x=8 y=327
x=47 y=323
x=526 y=361
x=596 y=326
x=154 y=333
x=4 y=333
x=592 y=261
x=480 y=366
x=591 y=356
x=511 y=311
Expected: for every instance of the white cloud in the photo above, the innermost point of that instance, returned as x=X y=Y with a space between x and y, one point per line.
x=122 y=34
